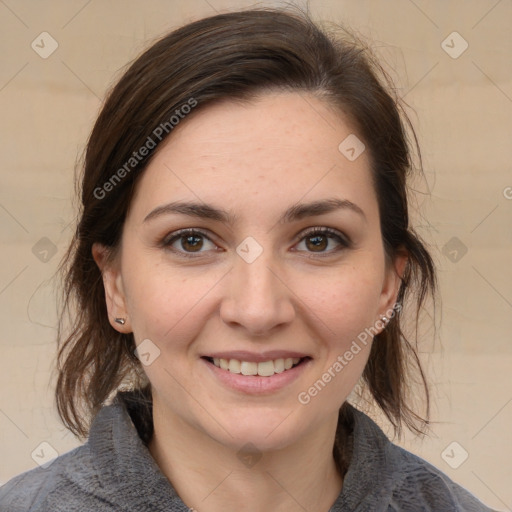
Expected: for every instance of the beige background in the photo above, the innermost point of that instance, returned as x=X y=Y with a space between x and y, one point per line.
x=463 y=114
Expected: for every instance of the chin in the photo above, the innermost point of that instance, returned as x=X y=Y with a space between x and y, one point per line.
x=259 y=430
x=256 y=441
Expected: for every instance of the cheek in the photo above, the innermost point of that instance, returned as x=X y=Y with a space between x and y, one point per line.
x=347 y=308
x=163 y=301
x=347 y=304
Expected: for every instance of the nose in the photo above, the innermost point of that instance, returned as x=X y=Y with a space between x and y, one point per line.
x=257 y=298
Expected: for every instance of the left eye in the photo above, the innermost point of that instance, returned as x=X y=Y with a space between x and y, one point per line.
x=318 y=240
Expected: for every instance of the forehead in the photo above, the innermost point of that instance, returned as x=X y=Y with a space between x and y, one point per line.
x=272 y=151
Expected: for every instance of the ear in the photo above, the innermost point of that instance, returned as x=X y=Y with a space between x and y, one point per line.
x=393 y=278
x=114 y=291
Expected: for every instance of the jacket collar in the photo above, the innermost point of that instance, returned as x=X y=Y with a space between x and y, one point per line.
x=129 y=475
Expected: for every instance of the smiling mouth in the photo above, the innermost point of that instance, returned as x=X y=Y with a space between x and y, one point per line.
x=262 y=369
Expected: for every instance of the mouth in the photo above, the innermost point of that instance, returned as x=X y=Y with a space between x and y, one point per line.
x=263 y=378
x=257 y=369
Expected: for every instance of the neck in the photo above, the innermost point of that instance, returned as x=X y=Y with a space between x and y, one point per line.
x=208 y=475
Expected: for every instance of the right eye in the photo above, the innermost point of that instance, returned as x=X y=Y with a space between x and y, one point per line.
x=186 y=242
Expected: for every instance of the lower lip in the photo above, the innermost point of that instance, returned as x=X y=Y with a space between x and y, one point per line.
x=255 y=384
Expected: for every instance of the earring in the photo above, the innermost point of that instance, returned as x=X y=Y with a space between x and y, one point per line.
x=384 y=319
x=120 y=321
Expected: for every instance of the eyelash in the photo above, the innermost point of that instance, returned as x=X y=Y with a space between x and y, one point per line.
x=343 y=240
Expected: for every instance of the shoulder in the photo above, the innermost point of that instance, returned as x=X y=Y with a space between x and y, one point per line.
x=395 y=479
x=61 y=484
x=417 y=483
x=112 y=471
x=74 y=481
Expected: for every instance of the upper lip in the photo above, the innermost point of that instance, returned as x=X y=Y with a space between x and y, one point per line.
x=252 y=357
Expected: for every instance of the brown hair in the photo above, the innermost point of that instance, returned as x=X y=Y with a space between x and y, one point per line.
x=234 y=56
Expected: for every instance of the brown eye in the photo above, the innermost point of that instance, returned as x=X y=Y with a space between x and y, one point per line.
x=317 y=240
x=186 y=242
x=191 y=243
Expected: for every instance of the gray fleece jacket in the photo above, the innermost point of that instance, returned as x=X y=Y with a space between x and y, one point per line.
x=115 y=472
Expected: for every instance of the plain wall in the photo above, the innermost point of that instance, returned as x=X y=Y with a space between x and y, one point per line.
x=462 y=111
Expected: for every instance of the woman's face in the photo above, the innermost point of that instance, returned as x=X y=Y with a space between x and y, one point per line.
x=251 y=282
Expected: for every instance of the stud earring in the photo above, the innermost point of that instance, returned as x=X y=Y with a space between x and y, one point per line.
x=120 y=321
x=384 y=319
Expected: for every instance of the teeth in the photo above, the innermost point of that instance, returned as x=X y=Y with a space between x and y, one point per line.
x=248 y=368
x=264 y=369
x=279 y=365
x=234 y=366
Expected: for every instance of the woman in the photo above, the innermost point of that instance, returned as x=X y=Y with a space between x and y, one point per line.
x=242 y=260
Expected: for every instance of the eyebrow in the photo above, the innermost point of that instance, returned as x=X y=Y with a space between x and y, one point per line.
x=294 y=213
